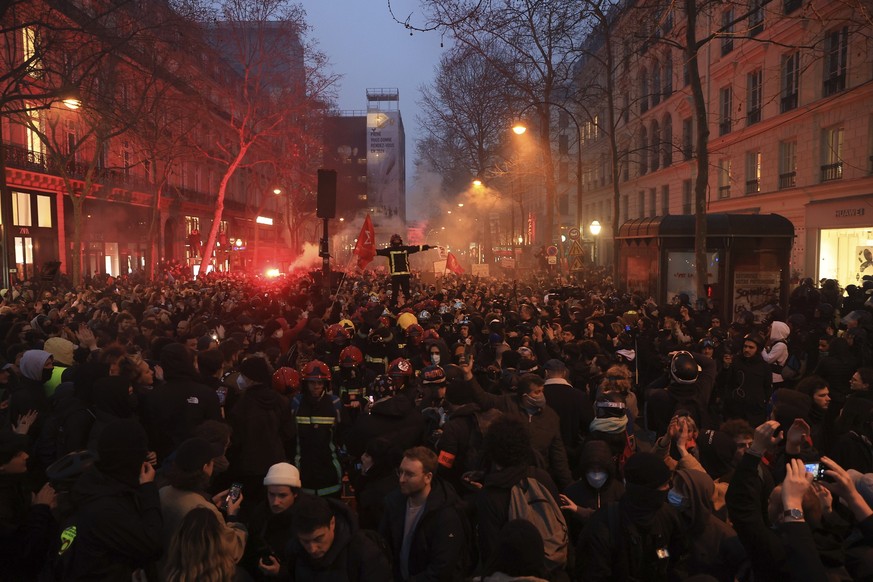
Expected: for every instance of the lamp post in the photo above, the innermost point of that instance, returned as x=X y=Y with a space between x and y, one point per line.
x=488 y=254
x=520 y=128
x=594 y=229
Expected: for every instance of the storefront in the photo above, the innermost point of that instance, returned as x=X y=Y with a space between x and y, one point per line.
x=748 y=257
x=114 y=237
x=32 y=235
x=841 y=232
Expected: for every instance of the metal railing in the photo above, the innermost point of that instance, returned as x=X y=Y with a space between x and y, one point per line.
x=831 y=172
x=787 y=180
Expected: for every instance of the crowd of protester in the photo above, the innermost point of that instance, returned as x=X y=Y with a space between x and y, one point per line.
x=239 y=428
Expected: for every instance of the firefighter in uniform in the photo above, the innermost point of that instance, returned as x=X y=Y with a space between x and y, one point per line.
x=398 y=265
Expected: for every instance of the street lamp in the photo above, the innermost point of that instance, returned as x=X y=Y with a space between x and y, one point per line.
x=594 y=229
x=519 y=129
x=486 y=224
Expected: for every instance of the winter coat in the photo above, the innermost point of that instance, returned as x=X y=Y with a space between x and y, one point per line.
x=353 y=556
x=492 y=503
x=28 y=394
x=777 y=352
x=269 y=534
x=176 y=408
x=316 y=458
x=394 y=418
x=175 y=505
x=747 y=389
x=263 y=430
x=439 y=542
x=115 y=530
x=545 y=430
x=574 y=411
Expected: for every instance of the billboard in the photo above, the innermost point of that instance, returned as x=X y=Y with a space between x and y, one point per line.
x=385 y=159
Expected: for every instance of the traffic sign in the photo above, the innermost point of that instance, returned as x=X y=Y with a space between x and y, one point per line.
x=573 y=234
x=576 y=264
x=552 y=251
x=552 y=260
x=575 y=250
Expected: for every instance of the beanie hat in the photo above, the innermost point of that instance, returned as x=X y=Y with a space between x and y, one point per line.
x=646 y=470
x=283 y=474
x=433 y=375
x=256 y=368
x=122 y=448
x=717 y=450
x=62 y=350
x=193 y=454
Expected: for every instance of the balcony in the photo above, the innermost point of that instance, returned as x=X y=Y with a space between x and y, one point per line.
x=754 y=116
x=787 y=180
x=753 y=186
x=724 y=192
x=834 y=85
x=24 y=159
x=831 y=172
x=788 y=102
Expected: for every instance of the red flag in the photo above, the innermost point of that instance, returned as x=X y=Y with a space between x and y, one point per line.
x=453 y=265
x=365 y=248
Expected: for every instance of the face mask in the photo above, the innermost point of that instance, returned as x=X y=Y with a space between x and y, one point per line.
x=435 y=359
x=242 y=382
x=278 y=333
x=537 y=403
x=676 y=500
x=596 y=478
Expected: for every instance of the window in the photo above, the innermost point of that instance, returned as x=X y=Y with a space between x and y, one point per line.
x=656 y=146
x=653 y=202
x=727 y=31
x=756 y=17
x=832 y=154
x=687 y=138
x=563 y=172
x=644 y=151
x=753 y=172
x=724 y=178
x=755 y=81
x=686 y=196
x=787 y=164
x=30 y=51
x=43 y=211
x=34 y=129
x=641 y=203
x=644 y=91
x=71 y=141
x=667 y=141
x=665 y=200
x=656 y=83
x=125 y=158
x=668 y=75
x=790 y=81
x=625 y=206
x=725 y=104
x=625 y=166
x=21 y=214
x=836 y=49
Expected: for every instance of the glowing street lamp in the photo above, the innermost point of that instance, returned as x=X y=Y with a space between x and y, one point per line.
x=594 y=229
x=519 y=128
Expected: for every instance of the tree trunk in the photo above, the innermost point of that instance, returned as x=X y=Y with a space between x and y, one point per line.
x=548 y=170
x=702 y=182
x=77 y=202
x=219 y=210
x=152 y=248
x=613 y=147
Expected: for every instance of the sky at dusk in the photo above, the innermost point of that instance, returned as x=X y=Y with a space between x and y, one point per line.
x=369 y=49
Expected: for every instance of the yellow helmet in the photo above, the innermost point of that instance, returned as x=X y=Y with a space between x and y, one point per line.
x=406 y=319
x=347 y=323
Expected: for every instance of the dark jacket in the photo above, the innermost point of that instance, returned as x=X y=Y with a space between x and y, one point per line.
x=439 y=544
x=574 y=410
x=317 y=421
x=492 y=503
x=183 y=403
x=545 y=430
x=353 y=555
x=263 y=430
x=747 y=389
x=269 y=534
x=370 y=492
x=768 y=550
x=395 y=419
x=118 y=529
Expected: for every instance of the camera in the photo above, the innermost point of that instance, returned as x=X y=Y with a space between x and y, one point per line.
x=817 y=470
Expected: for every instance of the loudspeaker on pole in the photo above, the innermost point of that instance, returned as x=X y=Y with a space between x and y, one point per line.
x=326 y=202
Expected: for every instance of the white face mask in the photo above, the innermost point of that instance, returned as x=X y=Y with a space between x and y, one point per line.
x=596 y=478
x=278 y=334
x=242 y=382
x=435 y=359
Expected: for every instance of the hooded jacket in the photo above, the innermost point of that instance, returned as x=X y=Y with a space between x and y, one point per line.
x=715 y=548
x=29 y=394
x=596 y=454
x=353 y=556
x=777 y=352
x=440 y=539
x=395 y=418
x=115 y=530
x=174 y=409
x=263 y=430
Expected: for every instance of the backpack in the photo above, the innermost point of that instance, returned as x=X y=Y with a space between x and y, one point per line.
x=530 y=500
x=794 y=367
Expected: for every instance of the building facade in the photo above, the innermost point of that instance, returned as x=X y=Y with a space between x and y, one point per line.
x=788 y=93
